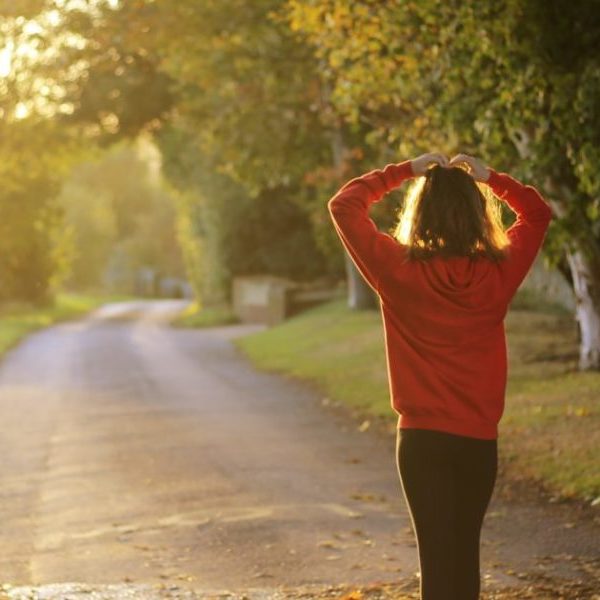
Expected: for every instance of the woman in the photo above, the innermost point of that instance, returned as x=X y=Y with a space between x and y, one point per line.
x=445 y=278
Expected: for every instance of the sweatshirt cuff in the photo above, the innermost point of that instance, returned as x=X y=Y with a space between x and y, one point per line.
x=395 y=173
x=494 y=179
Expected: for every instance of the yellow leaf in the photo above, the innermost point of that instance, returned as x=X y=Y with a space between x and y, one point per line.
x=354 y=595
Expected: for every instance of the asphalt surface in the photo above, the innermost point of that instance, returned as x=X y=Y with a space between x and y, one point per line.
x=136 y=453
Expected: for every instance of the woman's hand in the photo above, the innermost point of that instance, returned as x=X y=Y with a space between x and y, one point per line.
x=475 y=167
x=419 y=165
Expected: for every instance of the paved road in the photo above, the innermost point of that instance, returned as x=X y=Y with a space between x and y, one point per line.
x=135 y=452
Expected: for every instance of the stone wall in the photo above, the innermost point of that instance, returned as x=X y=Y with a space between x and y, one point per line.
x=260 y=298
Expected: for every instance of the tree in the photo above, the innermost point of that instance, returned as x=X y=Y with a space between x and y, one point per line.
x=117 y=211
x=516 y=81
x=31 y=168
x=225 y=232
x=229 y=83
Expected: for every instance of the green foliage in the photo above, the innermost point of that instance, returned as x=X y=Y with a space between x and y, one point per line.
x=197 y=315
x=118 y=214
x=249 y=91
x=272 y=235
x=114 y=87
x=516 y=81
x=248 y=97
x=32 y=164
x=91 y=230
x=224 y=232
x=206 y=282
x=270 y=94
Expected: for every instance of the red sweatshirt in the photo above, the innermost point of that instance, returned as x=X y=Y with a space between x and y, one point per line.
x=443 y=319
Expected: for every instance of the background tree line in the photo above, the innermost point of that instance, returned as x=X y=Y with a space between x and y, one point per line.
x=262 y=109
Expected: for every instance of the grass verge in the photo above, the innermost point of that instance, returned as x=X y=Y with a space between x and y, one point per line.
x=550 y=430
x=196 y=315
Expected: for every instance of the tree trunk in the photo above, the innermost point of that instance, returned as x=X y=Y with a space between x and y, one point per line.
x=583 y=258
x=586 y=283
x=360 y=294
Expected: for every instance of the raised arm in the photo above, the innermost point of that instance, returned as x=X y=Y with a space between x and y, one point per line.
x=527 y=233
x=368 y=247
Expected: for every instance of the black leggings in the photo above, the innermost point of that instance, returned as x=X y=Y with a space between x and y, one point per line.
x=447 y=481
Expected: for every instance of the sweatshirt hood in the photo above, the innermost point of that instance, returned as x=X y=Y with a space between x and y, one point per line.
x=461 y=280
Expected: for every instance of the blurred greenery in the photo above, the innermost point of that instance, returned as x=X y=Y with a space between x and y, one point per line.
x=196 y=315
x=118 y=219
x=261 y=110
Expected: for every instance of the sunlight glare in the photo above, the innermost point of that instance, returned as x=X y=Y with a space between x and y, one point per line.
x=405 y=215
x=53 y=17
x=21 y=111
x=6 y=60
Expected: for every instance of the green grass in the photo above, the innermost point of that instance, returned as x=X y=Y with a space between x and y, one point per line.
x=550 y=430
x=205 y=316
x=19 y=319
x=348 y=367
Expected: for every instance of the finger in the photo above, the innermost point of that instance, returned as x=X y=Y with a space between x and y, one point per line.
x=459 y=158
x=439 y=158
x=463 y=164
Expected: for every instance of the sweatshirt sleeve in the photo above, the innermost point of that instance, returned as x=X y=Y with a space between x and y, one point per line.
x=527 y=233
x=368 y=247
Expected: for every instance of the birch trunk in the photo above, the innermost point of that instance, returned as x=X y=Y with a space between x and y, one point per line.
x=584 y=265
x=586 y=284
x=360 y=294
x=583 y=258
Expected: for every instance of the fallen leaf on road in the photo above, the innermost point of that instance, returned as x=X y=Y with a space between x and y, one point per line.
x=356 y=515
x=142 y=547
x=354 y=595
x=327 y=544
x=368 y=542
x=367 y=497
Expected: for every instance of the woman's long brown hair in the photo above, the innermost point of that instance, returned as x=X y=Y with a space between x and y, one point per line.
x=447 y=213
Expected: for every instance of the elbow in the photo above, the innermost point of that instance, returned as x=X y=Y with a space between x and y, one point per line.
x=542 y=216
x=543 y=211
x=333 y=206
x=547 y=213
